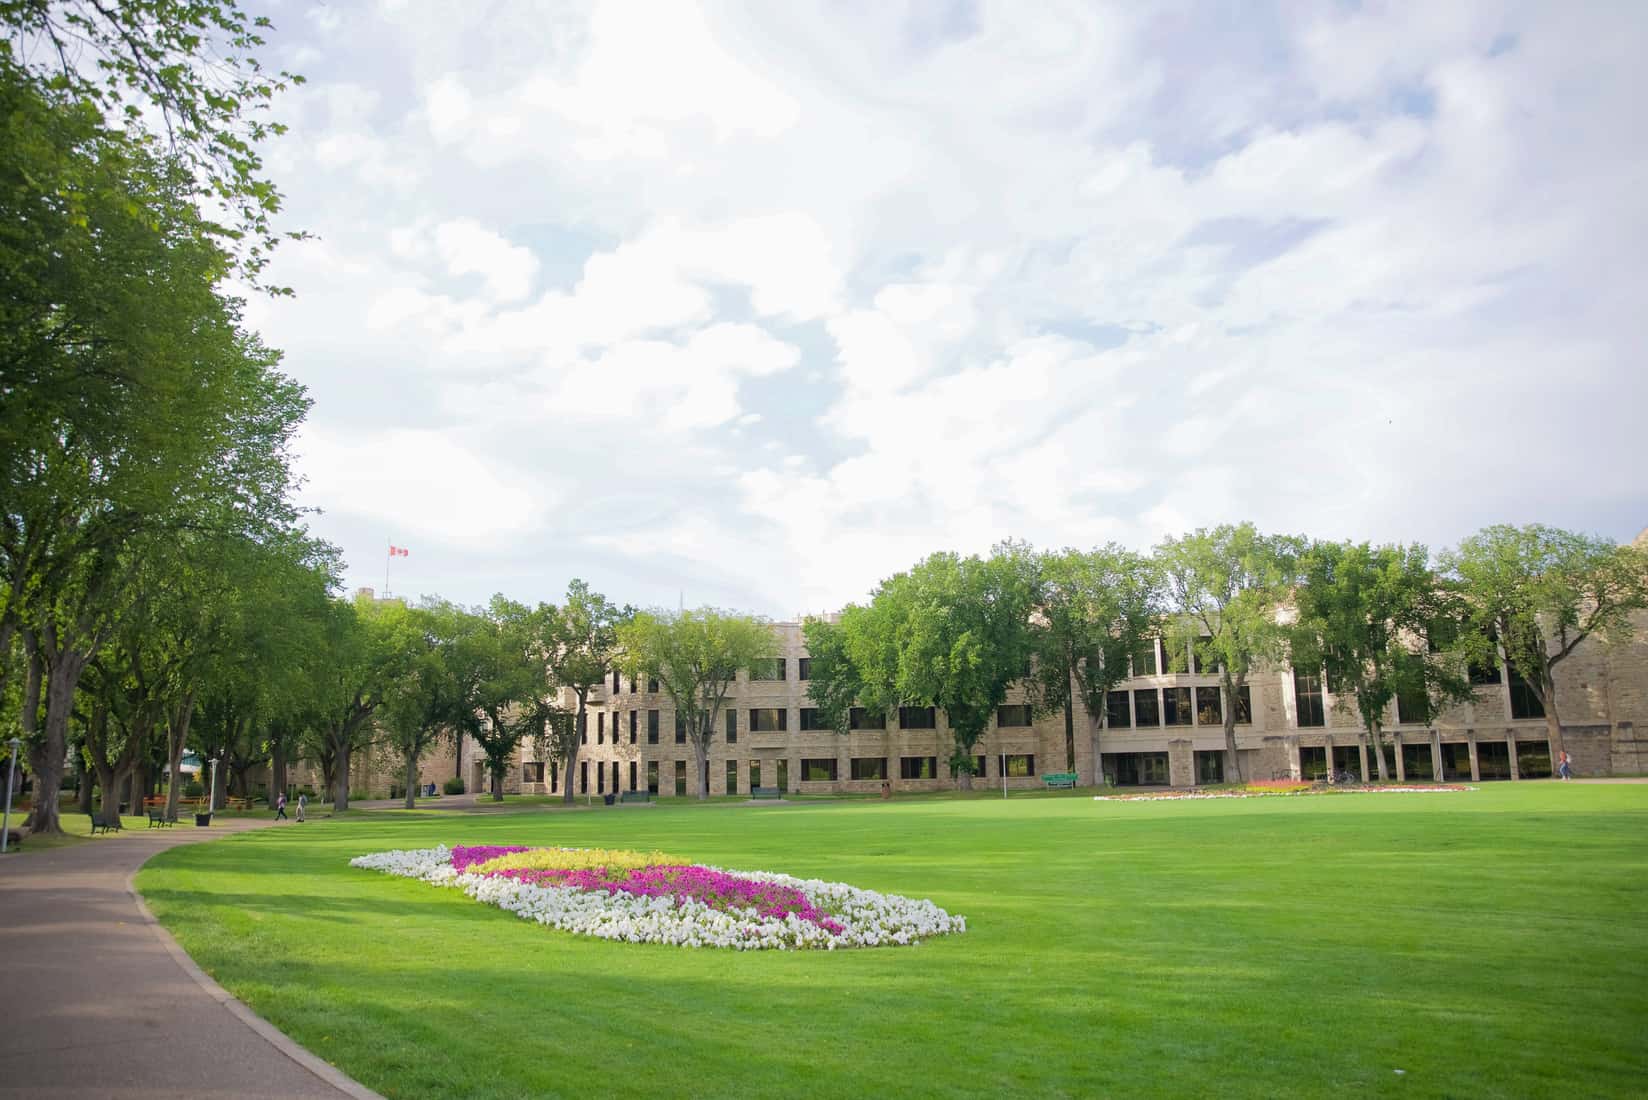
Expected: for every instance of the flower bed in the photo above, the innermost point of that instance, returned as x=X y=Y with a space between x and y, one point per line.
x=649 y=898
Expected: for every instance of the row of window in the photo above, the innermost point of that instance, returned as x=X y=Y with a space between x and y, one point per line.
x=766 y=669
x=1145 y=708
x=1307 y=692
x=777 y=720
x=812 y=770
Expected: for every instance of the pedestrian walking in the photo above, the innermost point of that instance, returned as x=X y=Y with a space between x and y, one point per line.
x=303 y=800
x=280 y=807
x=1564 y=767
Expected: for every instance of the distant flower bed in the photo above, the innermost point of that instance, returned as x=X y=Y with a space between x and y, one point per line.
x=647 y=897
x=1282 y=787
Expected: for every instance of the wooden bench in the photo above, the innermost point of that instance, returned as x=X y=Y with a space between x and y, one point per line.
x=766 y=792
x=96 y=825
x=238 y=804
x=634 y=796
x=1056 y=780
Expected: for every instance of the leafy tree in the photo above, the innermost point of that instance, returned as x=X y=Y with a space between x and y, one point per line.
x=1225 y=589
x=1539 y=592
x=1366 y=615
x=369 y=646
x=180 y=77
x=1094 y=610
x=952 y=633
x=507 y=671
x=429 y=700
x=580 y=643
x=695 y=655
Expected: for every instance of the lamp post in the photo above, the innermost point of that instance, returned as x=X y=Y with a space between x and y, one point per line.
x=11 y=778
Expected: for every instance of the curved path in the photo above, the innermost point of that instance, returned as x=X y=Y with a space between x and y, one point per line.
x=99 y=1000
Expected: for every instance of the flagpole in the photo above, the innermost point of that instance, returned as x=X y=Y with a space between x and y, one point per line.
x=387 y=553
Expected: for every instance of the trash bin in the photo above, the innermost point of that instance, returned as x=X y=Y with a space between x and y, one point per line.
x=609 y=799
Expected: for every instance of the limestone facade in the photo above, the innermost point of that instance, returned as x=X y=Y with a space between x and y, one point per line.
x=1159 y=729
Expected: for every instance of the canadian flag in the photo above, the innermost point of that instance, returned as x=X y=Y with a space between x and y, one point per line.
x=398 y=551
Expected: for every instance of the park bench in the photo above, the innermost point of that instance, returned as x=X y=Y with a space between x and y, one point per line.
x=157 y=816
x=766 y=792
x=96 y=825
x=635 y=796
x=239 y=804
x=1059 y=779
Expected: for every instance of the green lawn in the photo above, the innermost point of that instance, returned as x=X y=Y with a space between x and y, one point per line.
x=1492 y=943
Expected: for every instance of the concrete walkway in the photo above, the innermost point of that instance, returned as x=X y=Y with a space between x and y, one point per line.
x=97 y=1000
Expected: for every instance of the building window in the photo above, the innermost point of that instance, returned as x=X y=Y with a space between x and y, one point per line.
x=860 y=719
x=1147 y=709
x=583 y=777
x=783 y=783
x=652 y=777
x=1144 y=661
x=583 y=736
x=632 y=775
x=1020 y=765
x=1117 y=714
x=1209 y=711
x=1307 y=690
x=652 y=684
x=1244 y=706
x=1013 y=714
x=767 y=668
x=1210 y=767
x=634 y=686
x=803 y=668
x=769 y=719
x=820 y=770
x=755 y=774
x=732 y=726
x=680 y=728
x=615 y=682
x=979 y=768
x=632 y=716
x=869 y=767
x=1412 y=709
x=532 y=771
x=601 y=729
x=732 y=777
x=554 y=777
x=1524 y=703
x=600 y=779
x=652 y=727
x=1176 y=706
x=918 y=767
x=809 y=719
x=1174 y=658
x=917 y=718
x=680 y=777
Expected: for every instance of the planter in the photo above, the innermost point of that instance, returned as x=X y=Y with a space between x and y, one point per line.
x=203 y=820
x=609 y=799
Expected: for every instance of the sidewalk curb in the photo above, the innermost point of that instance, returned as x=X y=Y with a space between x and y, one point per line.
x=276 y=1038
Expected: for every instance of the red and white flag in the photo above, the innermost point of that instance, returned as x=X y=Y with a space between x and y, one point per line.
x=398 y=551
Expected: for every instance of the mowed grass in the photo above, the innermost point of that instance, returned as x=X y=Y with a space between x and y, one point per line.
x=1492 y=943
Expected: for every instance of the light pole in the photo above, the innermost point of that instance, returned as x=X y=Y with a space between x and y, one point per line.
x=211 y=793
x=11 y=778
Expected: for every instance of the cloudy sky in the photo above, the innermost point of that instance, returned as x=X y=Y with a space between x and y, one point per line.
x=753 y=305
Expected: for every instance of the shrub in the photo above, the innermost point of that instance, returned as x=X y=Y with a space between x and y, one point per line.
x=453 y=786
x=307 y=791
x=193 y=789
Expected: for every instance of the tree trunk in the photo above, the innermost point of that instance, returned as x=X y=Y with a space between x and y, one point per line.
x=108 y=809
x=1233 y=765
x=1069 y=710
x=220 y=784
x=46 y=759
x=412 y=779
x=568 y=766
x=1374 y=729
x=340 y=778
x=497 y=783
x=83 y=788
x=177 y=735
x=1553 y=721
x=701 y=763
x=277 y=771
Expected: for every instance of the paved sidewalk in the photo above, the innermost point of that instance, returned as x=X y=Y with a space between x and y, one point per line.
x=99 y=1001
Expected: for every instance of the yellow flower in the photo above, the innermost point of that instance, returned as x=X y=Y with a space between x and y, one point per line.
x=574 y=859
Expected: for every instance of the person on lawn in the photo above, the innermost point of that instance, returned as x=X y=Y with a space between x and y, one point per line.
x=303 y=800
x=1564 y=767
x=280 y=807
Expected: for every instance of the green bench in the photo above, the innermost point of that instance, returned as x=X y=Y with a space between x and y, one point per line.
x=1059 y=779
x=635 y=796
x=766 y=792
x=96 y=825
x=157 y=816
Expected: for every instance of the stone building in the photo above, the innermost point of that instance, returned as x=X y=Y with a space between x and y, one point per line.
x=1158 y=729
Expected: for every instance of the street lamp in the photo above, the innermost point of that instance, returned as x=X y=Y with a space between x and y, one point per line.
x=11 y=779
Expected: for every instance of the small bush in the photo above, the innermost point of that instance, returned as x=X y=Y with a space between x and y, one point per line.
x=453 y=786
x=307 y=791
x=193 y=789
